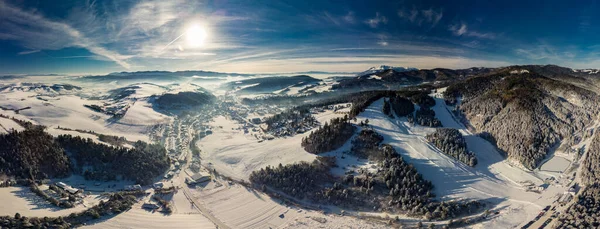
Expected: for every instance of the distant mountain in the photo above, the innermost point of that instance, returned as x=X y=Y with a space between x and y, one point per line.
x=41 y=88
x=376 y=70
x=163 y=76
x=390 y=78
x=270 y=84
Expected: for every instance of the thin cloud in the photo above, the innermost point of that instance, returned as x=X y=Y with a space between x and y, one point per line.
x=458 y=30
x=429 y=16
x=463 y=30
x=378 y=19
x=349 y=18
x=38 y=32
x=29 y=52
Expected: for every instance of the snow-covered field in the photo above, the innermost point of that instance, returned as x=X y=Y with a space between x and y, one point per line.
x=65 y=111
x=21 y=200
x=7 y=125
x=137 y=217
x=240 y=207
x=235 y=154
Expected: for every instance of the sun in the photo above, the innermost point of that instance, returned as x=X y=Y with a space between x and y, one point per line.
x=196 y=36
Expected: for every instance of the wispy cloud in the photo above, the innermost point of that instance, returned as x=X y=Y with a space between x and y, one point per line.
x=458 y=30
x=378 y=19
x=349 y=18
x=429 y=16
x=35 y=31
x=462 y=30
x=28 y=52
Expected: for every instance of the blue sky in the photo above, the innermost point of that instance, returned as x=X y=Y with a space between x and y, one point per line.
x=96 y=36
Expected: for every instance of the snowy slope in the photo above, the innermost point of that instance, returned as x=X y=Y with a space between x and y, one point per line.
x=491 y=180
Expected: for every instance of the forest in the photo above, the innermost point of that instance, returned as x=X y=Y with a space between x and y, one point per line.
x=32 y=154
x=141 y=163
x=401 y=106
x=585 y=211
x=329 y=137
x=591 y=164
x=453 y=144
x=526 y=114
x=294 y=121
x=396 y=186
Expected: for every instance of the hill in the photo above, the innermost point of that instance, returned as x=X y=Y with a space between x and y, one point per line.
x=525 y=114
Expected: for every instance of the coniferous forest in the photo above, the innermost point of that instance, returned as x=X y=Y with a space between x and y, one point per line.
x=35 y=154
x=453 y=144
x=329 y=137
x=32 y=154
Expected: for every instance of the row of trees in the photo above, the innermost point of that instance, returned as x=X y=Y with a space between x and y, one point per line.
x=329 y=137
x=424 y=117
x=141 y=163
x=300 y=180
x=63 y=204
x=116 y=204
x=452 y=143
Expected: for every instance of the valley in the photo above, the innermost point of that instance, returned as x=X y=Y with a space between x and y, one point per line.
x=215 y=146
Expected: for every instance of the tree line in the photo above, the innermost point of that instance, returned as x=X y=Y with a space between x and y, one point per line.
x=34 y=154
x=329 y=137
x=96 y=161
x=453 y=144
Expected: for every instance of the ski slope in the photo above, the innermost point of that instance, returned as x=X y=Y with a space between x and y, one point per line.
x=492 y=180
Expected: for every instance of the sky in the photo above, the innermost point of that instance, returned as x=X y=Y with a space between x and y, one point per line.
x=259 y=36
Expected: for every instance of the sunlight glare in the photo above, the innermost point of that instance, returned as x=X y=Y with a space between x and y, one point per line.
x=196 y=36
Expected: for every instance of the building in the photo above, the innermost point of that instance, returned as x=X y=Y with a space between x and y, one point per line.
x=255 y=120
x=158 y=185
x=565 y=198
x=136 y=187
x=67 y=188
x=150 y=206
x=200 y=177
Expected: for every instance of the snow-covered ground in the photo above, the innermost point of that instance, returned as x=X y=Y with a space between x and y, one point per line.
x=137 y=217
x=21 y=200
x=65 y=111
x=7 y=125
x=240 y=207
x=235 y=154
x=491 y=180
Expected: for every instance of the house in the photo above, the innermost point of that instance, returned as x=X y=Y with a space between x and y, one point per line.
x=158 y=185
x=200 y=177
x=255 y=120
x=136 y=187
x=67 y=188
x=150 y=206
x=565 y=198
